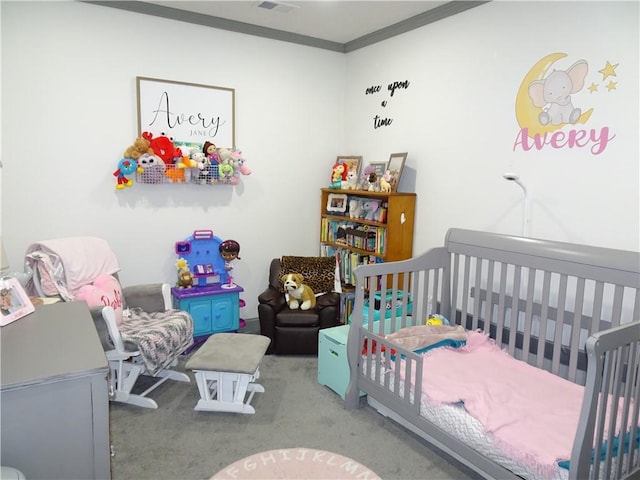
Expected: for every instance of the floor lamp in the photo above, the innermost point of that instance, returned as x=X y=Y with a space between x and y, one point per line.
x=514 y=177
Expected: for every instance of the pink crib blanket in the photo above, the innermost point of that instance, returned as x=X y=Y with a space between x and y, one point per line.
x=532 y=414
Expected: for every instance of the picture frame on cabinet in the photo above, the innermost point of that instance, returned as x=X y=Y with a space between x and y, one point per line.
x=379 y=168
x=395 y=166
x=14 y=301
x=337 y=203
x=351 y=161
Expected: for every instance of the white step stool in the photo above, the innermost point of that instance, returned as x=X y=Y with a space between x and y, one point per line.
x=225 y=367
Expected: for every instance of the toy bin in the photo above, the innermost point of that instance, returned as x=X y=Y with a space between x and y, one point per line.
x=388 y=297
x=333 y=369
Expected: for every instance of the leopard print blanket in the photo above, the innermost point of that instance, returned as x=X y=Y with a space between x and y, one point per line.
x=318 y=272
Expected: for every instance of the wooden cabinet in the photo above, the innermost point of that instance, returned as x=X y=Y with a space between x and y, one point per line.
x=54 y=398
x=382 y=233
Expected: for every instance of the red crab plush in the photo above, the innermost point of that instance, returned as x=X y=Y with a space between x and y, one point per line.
x=163 y=147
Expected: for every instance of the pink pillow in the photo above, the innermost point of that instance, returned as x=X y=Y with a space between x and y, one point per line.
x=105 y=291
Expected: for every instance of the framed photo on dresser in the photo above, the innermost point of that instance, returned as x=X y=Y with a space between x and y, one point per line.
x=14 y=302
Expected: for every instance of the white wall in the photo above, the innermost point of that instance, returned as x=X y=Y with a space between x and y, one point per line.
x=69 y=111
x=457 y=120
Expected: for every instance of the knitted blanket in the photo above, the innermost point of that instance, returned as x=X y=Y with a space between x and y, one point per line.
x=158 y=335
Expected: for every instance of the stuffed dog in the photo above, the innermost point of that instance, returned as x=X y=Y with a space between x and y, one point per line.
x=300 y=295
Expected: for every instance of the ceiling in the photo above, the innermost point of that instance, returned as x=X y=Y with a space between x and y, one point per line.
x=331 y=24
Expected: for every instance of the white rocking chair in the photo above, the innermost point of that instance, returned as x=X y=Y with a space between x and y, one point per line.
x=126 y=365
x=126 y=362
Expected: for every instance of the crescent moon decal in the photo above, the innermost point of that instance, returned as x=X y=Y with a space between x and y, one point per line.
x=526 y=112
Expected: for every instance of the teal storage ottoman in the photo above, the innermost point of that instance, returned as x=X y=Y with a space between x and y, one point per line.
x=333 y=368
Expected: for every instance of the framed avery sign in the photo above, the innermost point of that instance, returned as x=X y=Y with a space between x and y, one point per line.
x=188 y=113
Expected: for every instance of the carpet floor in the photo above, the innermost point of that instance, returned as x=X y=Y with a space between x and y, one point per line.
x=176 y=442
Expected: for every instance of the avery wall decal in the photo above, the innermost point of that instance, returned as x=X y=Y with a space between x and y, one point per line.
x=553 y=107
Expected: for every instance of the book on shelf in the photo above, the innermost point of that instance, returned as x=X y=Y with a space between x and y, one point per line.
x=348 y=261
x=364 y=237
x=347 y=300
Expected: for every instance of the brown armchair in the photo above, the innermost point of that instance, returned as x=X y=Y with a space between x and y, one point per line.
x=295 y=332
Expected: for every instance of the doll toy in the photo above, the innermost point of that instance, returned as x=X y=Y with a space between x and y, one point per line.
x=211 y=151
x=229 y=251
x=338 y=174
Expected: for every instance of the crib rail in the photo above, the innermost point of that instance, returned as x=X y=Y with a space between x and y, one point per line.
x=613 y=379
x=540 y=299
x=573 y=310
x=413 y=292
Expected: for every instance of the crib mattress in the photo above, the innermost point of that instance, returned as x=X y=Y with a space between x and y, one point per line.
x=456 y=421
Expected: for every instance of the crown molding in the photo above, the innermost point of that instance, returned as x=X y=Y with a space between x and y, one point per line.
x=439 y=13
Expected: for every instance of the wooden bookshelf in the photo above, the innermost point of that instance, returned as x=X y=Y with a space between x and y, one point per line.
x=386 y=237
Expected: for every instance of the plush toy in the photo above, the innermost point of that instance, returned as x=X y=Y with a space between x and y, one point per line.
x=366 y=175
x=208 y=171
x=351 y=183
x=238 y=162
x=225 y=171
x=152 y=168
x=185 y=277
x=163 y=147
x=197 y=158
x=436 y=319
x=373 y=182
x=233 y=158
x=181 y=171
x=300 y=295
x=385 y=186
x=140 y=146
x=224 y=155
x=355 y=208
x=370 y=207
x=126 y=168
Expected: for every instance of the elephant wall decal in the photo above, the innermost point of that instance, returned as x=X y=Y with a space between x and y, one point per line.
x=555 y=92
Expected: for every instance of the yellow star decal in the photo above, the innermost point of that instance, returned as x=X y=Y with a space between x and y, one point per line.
x=611 y=85
x=608 y=71
x=593 y=88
